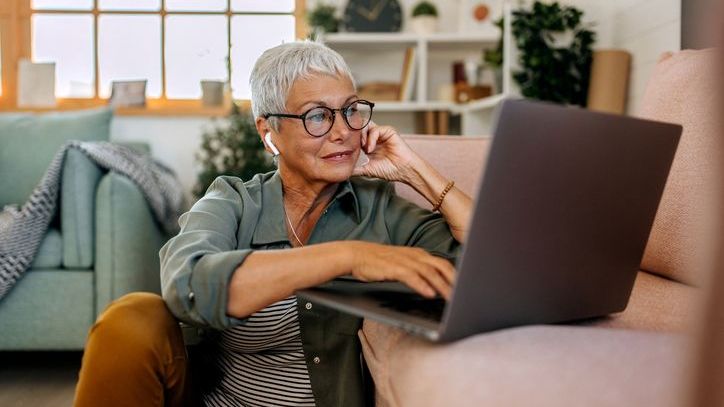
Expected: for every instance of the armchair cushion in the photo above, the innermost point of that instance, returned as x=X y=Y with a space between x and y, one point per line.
x=50 y=252
x=28 y=143
x=657 y=304
x=77 y=209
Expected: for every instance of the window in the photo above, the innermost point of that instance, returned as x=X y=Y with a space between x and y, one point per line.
x=173 y=44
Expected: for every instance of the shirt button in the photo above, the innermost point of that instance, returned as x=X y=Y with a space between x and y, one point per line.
x=317 y=360
x=308 y=305
x=191 y=296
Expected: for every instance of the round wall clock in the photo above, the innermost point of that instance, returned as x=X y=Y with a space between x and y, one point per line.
x=373 y=16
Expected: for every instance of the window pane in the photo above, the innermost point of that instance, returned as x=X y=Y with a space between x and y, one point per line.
x=129 y=4
x=66 y=40
x=278 y=6
x=195 y=5
x=195 y=50
x=244 y=51
x=130 y=48
x=61 y=4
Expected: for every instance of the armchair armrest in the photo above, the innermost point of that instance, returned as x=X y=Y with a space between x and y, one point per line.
x=77 y=206
x=127 y=241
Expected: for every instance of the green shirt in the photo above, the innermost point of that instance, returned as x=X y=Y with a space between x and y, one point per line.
x=234 y=218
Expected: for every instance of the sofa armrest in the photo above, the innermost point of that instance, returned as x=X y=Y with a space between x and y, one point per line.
x=127 y=241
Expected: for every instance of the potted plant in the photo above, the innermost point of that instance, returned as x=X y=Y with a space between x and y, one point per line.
x=424 y=18
x=555 y=52
x=322 y=19
x=493 y=58
x=233 y=148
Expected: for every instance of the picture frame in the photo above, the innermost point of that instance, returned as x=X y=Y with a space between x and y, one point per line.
x=128 y=93
x=36 y=84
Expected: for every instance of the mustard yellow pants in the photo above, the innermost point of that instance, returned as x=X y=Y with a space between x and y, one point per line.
x=135 y=356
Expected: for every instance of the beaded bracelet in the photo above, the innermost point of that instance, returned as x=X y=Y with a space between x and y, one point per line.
x=442 y=195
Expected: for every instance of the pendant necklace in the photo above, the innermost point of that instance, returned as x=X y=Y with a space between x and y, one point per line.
x=292 y=228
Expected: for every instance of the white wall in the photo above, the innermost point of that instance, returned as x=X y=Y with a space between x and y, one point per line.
x=646 y=28
x=173 y=141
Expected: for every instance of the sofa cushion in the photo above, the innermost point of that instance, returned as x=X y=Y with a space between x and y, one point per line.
x=458 y=158
x=77 y=209
x=48 y=310
x=28 y=143
x=537 y=365
x=657 y=304
x=681 y=91
x=50 y=252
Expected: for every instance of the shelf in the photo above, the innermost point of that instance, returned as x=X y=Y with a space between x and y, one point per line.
x=154 y=107
x=370 y=38
x=410 y=38
x=489 y=102
x=412 y=106
x=377 y=56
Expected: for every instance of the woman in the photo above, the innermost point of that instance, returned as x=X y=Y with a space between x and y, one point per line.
x=244 y=249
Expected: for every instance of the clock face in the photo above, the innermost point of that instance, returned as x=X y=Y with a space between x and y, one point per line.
x=373 y=16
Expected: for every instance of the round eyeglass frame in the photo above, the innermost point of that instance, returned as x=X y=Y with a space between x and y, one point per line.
x=341 y=110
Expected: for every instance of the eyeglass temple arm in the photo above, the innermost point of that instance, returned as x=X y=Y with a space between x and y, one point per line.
x=293 y=116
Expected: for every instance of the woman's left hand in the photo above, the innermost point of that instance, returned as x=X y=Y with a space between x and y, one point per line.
x=390 y=157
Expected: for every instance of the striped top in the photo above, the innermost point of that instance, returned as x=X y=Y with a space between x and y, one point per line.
x=263 y=361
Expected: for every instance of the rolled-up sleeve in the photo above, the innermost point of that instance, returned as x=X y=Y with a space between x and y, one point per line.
x=410 y=225
x=197 y=264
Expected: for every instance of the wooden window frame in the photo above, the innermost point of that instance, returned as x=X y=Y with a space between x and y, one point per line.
x=16 y=44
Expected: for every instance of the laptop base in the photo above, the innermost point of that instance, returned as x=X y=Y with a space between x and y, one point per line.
x=372 y=306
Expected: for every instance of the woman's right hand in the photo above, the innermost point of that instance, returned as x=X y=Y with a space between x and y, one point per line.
x=413 y=266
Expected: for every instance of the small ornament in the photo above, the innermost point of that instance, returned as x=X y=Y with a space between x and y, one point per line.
x=481 y=12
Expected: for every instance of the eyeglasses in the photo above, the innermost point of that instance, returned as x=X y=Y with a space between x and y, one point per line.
x=319 y=120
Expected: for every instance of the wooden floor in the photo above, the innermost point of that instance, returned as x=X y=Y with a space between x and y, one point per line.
x=38 y=379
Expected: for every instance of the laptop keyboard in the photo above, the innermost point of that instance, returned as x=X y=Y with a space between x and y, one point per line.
x=431 y=309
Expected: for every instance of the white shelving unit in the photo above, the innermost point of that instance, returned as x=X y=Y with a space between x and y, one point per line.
x=475 y=117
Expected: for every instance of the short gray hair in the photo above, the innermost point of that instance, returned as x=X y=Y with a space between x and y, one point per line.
x=278 y=68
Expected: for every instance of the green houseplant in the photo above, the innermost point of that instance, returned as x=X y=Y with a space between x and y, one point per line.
x=424 y=18
x=424 y=8
x=322 y=19
x=233 y=148
x=493 y=58
x=555 y=53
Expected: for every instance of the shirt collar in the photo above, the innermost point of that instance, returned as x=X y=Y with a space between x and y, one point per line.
x=272 y=225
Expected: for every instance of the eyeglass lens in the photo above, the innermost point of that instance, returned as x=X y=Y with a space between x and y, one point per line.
x=319 y=120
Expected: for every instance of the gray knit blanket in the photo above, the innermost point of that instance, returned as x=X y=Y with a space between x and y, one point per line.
x=23 y=228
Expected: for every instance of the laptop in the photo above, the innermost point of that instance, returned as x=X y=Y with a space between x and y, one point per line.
x=560 y=224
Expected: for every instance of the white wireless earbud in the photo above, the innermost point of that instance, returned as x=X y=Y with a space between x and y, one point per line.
x=271 y=145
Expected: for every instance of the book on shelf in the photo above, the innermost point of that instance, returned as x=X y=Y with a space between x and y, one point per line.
x=407 y=83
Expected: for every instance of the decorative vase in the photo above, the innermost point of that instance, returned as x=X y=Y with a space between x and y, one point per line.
x=212 y=93
x=424 y=25
x=498 y=79
x=559 y=39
